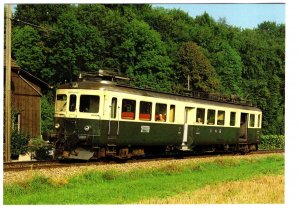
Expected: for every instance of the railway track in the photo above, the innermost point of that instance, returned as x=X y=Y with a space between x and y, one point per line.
x=30 y=165
x=36 y=165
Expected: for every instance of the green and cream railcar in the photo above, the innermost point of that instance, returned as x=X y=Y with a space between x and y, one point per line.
x=98 y=119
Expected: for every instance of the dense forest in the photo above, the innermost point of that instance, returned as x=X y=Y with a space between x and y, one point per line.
x=155 y=47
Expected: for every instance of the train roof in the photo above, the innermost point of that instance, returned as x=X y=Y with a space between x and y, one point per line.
x=112 y=86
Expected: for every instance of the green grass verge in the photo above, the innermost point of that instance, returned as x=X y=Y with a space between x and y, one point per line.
x=114 y=187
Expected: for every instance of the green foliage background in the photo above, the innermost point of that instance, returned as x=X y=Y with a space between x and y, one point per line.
x=157 y=48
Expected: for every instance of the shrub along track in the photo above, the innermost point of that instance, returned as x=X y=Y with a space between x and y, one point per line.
x=37 y=165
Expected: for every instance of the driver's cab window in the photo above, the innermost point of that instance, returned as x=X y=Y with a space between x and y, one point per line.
x=61 y=103
x=89 y=103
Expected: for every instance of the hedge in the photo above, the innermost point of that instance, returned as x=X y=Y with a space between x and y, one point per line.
x=271 y=142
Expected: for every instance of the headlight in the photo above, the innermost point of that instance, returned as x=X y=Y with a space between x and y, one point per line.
x=87 y=128
x=57 y=125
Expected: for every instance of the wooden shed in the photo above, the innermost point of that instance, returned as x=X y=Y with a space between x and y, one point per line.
x=26 y=100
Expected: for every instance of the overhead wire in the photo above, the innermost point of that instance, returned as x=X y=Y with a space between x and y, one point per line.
x=34 y=25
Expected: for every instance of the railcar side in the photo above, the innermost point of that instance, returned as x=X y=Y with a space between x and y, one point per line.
x=98 y=120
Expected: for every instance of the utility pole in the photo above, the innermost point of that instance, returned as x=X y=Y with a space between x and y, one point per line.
x=8 y=84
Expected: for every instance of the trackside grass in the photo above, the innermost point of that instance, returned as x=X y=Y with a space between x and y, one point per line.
x=260 y=190
x=153 y=185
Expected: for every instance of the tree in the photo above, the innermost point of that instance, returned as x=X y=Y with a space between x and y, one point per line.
x=228 y=64
x=193 y=63
x=47 y=112
x=172 y=25
x=39 y=14
x=73 y=48
x=110 y=25
x=28 y=49
x=263 y=67
x=271 y=29
x=143 y=57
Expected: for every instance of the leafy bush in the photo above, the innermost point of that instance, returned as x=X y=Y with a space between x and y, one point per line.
x=41 y=149
x=19 y=143
x=269 y=142
x=47 y=110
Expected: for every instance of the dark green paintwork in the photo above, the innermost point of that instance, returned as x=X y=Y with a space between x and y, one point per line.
x=254 y=135
x=132 y=133
x=160 y=134
x=207 y=135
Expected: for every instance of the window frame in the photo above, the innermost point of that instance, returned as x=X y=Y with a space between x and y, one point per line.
x=114 y=108
x=70 y=103
x=258 y=120
x=214 y=117
x=89 y=112
x=64 y=106
x=224 y=117
x=174 y=113
x=162 y=118
x=251 y=121
x=149 y=113
x=234 y=120
x=126 y=115
x=200 y=109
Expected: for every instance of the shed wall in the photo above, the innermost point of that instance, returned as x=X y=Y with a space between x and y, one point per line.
x=26 y=100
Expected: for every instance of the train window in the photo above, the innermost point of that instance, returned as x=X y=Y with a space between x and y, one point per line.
x=113 y=112
x=221 y=118
x=128 y=109
x=89 y=104
x=200 y=114
x=252 y=120
x=61 y=102
x=232 y=118
x=145 y=110
x=258 y=122
x=211 y=114
x=160 y=112
x=72 y=103
x=172 y=114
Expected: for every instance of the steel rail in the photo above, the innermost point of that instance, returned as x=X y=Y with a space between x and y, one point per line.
x=36 y=165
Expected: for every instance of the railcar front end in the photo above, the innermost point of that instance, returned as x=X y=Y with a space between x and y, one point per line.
x=77 y=123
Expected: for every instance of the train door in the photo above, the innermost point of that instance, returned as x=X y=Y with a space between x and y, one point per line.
x=243 y=127
x=187 y=111
x=113 y=123
x=72 y=105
